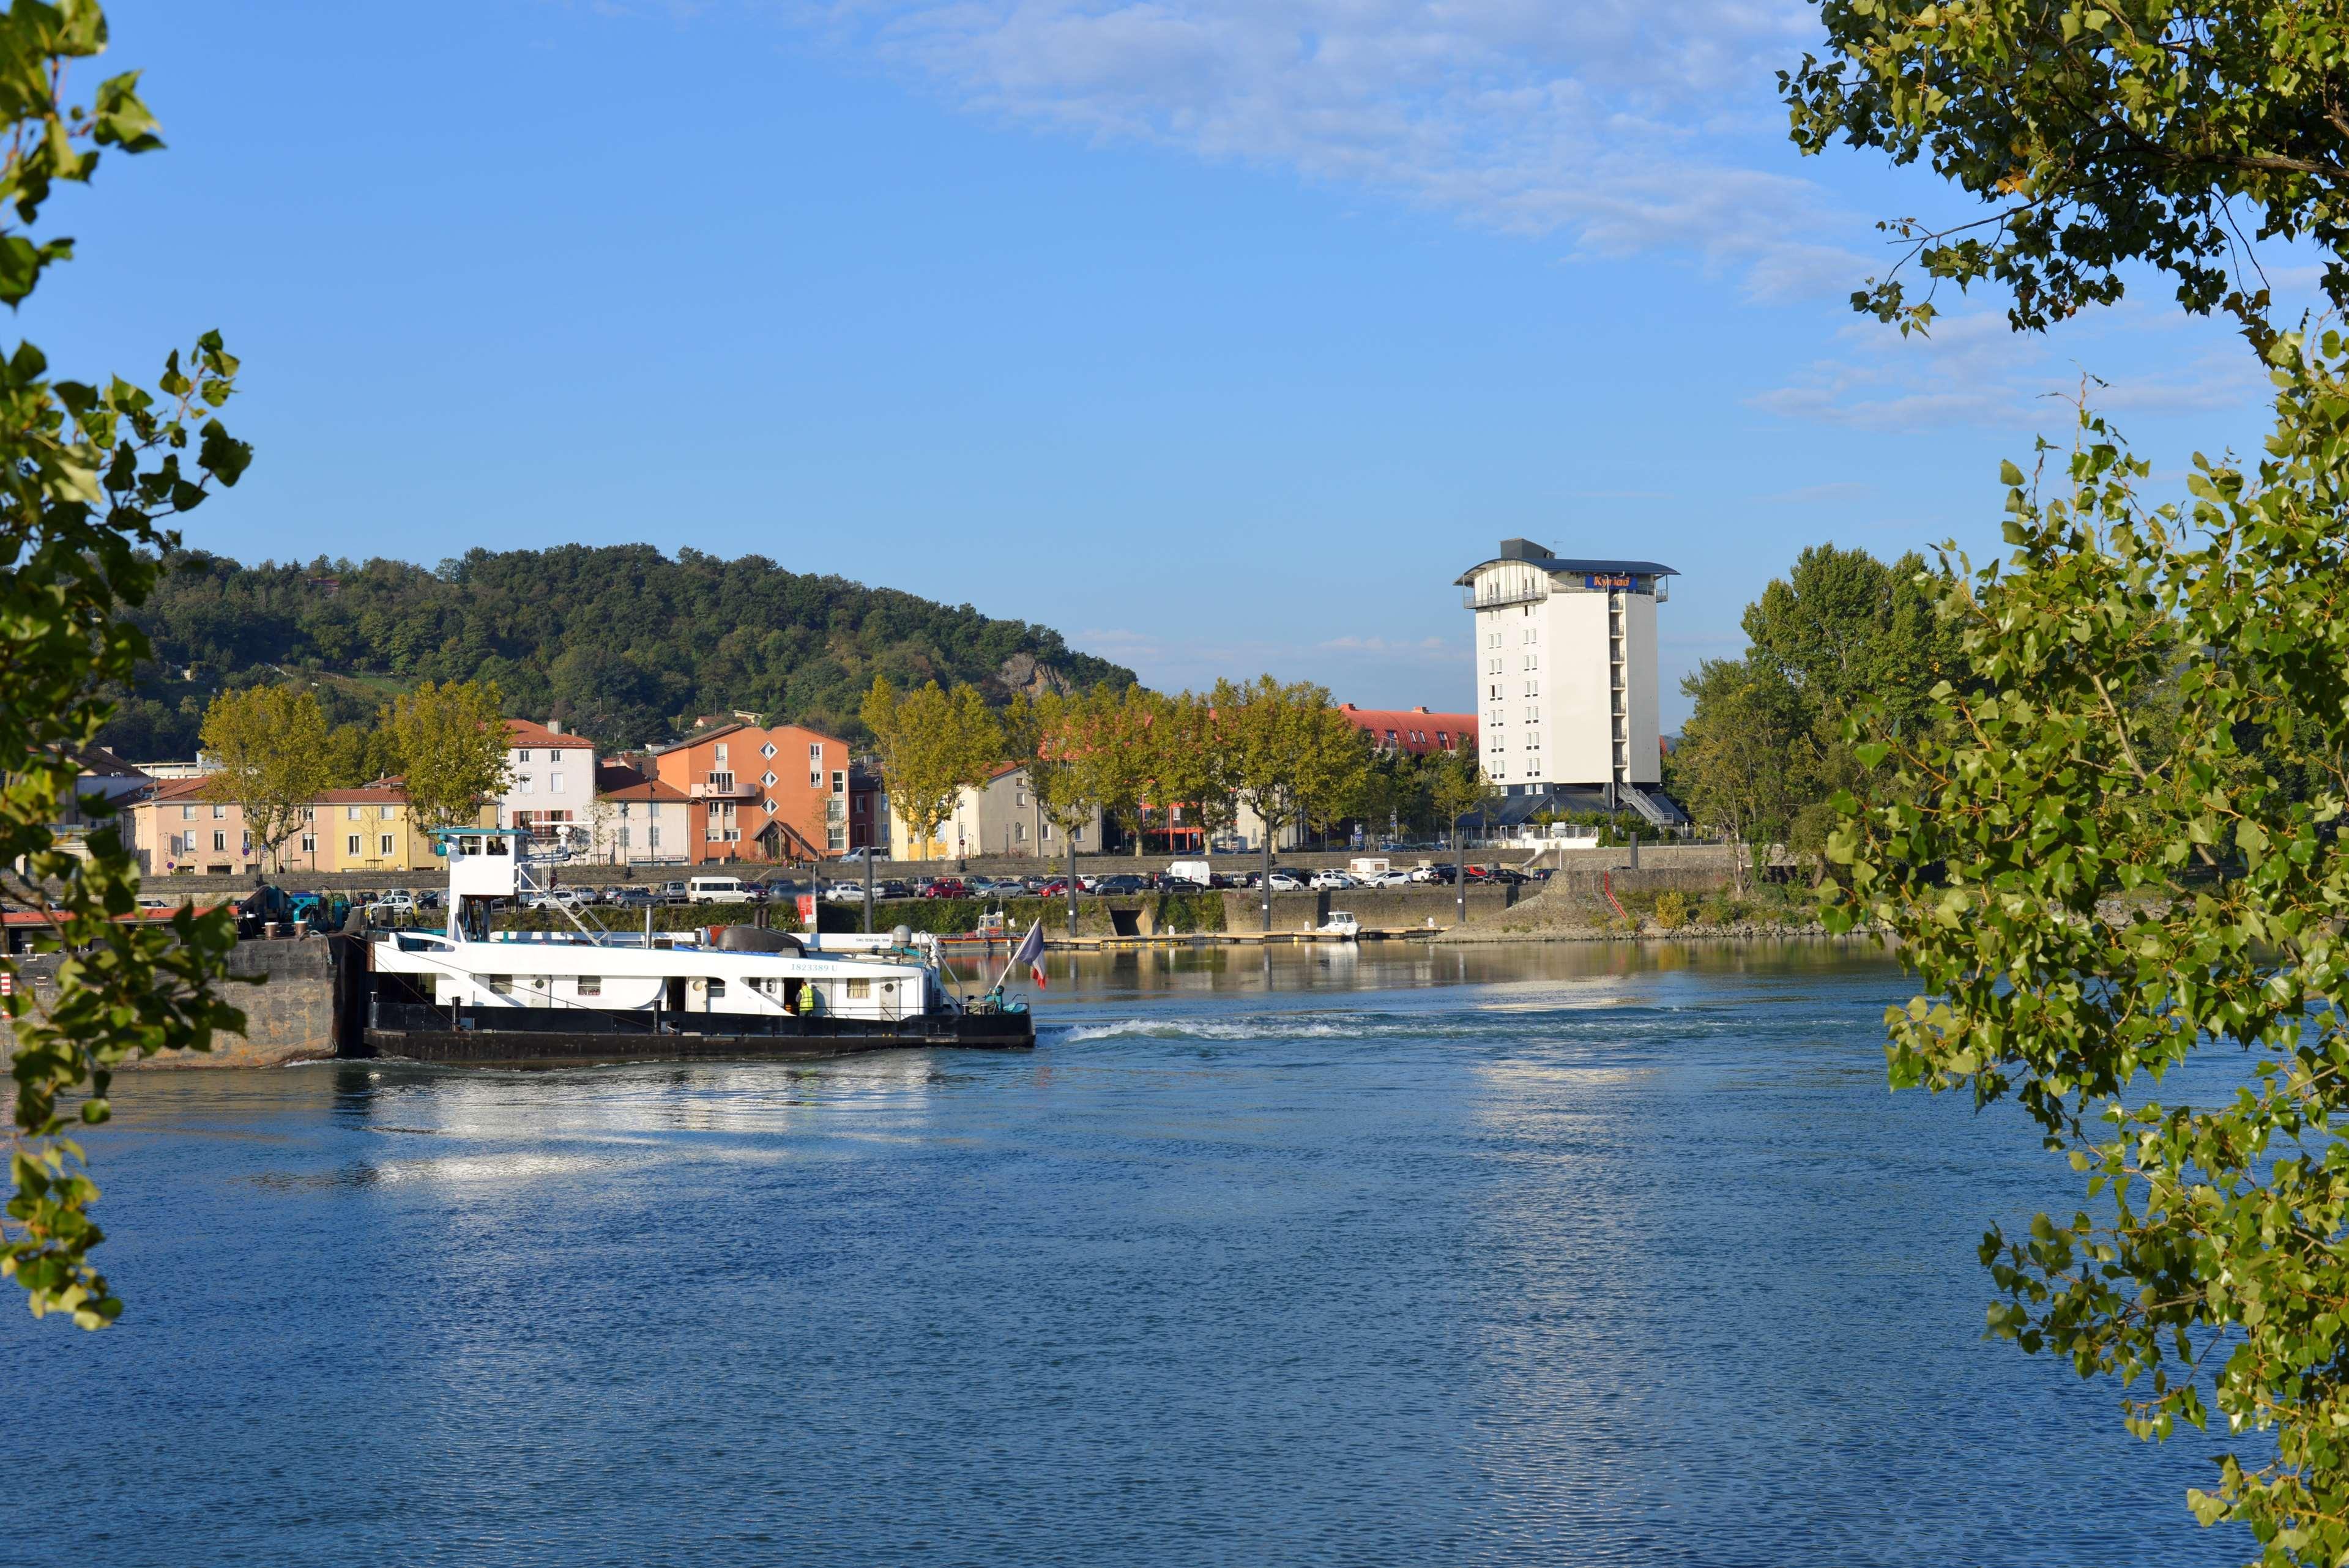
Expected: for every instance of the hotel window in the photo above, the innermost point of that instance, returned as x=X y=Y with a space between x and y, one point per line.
x=860 y=990
x=220 y=841
x=589 y=985
x=351 y=844
x=383 y=843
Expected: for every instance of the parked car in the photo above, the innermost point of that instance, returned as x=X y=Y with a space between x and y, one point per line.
x=1052 y=887
x=1283 y=880
x=392 y=905
x=945 y=887
x=632 y=898
x=1391 y=879
x=674 y=893
x=861 y=853
x=1330 y=882
x=846 y=892
x=1123 y=882
x=893 y=887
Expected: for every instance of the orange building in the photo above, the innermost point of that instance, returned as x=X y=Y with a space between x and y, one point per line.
x=760 y=794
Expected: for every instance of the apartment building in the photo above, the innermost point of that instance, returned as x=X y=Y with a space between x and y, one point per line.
x=550 y=780
x=1000 y=817
x=1566 y=676
x=757 y=793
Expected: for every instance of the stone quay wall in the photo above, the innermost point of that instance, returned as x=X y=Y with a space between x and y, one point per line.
x=289 y=1016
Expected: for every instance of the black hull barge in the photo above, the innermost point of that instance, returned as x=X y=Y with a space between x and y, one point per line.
x=509 y=1038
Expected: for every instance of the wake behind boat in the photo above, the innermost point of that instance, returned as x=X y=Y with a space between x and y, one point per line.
x=473 y=995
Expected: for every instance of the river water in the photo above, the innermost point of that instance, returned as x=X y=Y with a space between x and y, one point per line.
x=1571 y=1254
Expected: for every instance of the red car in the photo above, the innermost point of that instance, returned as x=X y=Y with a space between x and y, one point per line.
x=1053 y=889
x=947 y=887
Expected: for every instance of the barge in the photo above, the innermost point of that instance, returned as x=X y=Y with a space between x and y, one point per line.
x=472 y=995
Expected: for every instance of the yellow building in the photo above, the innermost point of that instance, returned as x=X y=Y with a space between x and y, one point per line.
x=365 y=829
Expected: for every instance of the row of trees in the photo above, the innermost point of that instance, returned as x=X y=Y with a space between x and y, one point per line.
x=1281 y=752
x=446 y=743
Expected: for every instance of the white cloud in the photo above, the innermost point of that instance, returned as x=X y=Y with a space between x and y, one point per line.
x=1975 y=370
x=1628 y=126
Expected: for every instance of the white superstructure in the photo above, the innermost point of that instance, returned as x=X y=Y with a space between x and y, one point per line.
x=1565 y=671
x=882 y=978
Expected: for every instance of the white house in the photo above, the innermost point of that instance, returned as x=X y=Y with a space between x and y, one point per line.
x=637 y=819
x=550 y=779
x=1566 y=674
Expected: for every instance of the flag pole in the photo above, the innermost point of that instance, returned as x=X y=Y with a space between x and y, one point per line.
x=1014 y=957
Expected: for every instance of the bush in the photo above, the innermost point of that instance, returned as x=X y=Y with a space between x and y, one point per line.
x=1672 y=911
x=1717 y=910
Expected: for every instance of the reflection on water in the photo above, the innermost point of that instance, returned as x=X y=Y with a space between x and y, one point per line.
x=1575 y=1254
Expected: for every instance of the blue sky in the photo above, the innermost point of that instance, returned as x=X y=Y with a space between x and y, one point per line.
x=1220 y=335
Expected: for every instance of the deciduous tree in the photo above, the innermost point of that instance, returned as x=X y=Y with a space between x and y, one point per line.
x=450 y=740
x=932 y=743
x=271 y=745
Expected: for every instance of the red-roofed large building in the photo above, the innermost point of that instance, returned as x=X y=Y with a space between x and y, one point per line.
x=760 y=793
x=1413 y=729
x=550 y=779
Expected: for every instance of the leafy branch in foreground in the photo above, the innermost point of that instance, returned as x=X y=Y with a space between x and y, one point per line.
x=2123 y=849
x=2171 y=132
x=87 y=478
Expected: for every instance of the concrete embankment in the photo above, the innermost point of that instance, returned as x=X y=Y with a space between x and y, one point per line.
x=289 y=1015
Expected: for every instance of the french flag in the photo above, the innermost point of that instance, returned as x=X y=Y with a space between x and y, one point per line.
x=1031 y=952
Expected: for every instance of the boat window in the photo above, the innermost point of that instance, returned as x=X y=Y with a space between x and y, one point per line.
x=501 y=985
x=716 y=989
x=591 y=985
x=859 y=988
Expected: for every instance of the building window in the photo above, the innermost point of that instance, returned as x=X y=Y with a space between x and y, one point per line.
x=218 y=812
x=839 y=783
x=187 y=813
x=652 y=838
x=351 y=844
x=1444 y=738
x=722 y=752
x=1047 y=832
x=589 y=984
x=721 y=782
x=767 y=749
x=624 y=839
x=1018 y=832
x=769 y=806
x=309 y=843
x=815 y=753
x=523 y=784
x=767 y=779
x=835 y=838
x=554 y=783
x=220 y=841
x=354 y=812
x=523 y=755
x=383 y=843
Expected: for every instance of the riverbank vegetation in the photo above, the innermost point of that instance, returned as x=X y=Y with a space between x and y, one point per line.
x=2113 y=840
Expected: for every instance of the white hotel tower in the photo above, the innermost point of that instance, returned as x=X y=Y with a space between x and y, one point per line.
x=1566 y=680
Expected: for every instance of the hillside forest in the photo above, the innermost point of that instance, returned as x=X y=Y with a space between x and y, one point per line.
x=621 y=643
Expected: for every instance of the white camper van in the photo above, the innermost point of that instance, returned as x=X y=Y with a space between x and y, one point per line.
x=717 y=890
x=1194 y=872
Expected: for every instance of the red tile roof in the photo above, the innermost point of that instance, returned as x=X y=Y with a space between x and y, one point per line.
x=529 y=732
x=1407 y=722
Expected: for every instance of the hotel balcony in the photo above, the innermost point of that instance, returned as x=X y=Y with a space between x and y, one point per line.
x=1490 y=595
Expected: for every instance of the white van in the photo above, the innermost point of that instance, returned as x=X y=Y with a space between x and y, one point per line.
x=1362 y=868
x=717 y=890
x=1197 y=873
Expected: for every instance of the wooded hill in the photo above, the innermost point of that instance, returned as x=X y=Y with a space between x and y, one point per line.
x=622 y=642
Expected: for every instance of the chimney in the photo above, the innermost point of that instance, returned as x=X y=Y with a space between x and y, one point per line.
x=553 y=726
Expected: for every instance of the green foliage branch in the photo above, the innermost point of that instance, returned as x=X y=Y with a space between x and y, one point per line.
x=2099 y=133
x=2108 y=855
x=88 y=477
